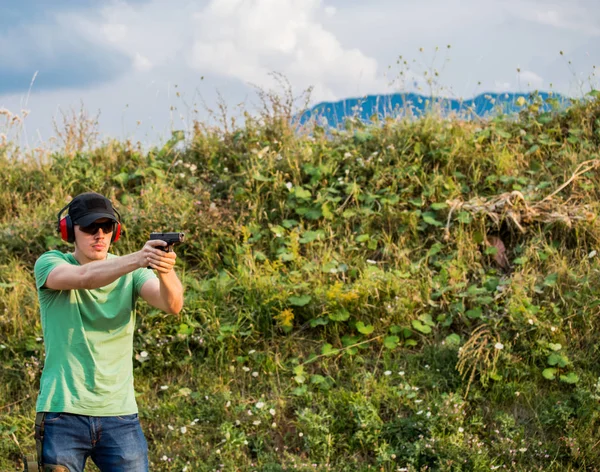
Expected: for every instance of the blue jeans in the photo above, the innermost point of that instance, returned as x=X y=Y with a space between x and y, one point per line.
x=115 y=443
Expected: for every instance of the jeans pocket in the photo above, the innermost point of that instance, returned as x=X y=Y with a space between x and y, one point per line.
x=52 y=417
x=128 y=418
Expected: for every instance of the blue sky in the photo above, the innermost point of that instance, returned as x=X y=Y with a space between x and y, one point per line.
x=148 y=66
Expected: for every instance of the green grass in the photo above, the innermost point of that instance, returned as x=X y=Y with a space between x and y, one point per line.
x=344 y=306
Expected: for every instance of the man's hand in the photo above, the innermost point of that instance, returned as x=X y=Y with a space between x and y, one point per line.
x=157 y=259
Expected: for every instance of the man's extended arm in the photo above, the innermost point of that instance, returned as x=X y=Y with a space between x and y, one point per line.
x=101 y=273
x=164 y=293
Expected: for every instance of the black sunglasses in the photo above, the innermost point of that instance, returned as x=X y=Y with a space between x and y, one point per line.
x=107 y=227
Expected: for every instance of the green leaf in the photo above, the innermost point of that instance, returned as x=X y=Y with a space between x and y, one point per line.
x=339 y=315
x=289 y=223
x=299 y=391
x=395 y=329
x=503 y=134
x=391 y=342
x=549 y=373
x=491 y=251
x=495 y=376
x=308 y=237
x=361 y=238
x=433 y=250
x=453 y=340
x=422 y=328
x=570 y=378
x=544 y=118
x=277 y=230
x=318 y=322
x=301 y=300
x=348 y=340
x=360 y=326
x=555 y=347
x=313 y=214
x=410 y=343
x=557 y=359
x=474 y=313
x=317 y=379
x=302 y=193
x=326 y=211
x=261 y=178
x=532 y=149
x=287 y=256
x=429 y=218
x=328 y=350
x=121 y=178
x=185 y=392
x=464 y=217
x=551 y=280
x=185 y=330
x=439 y=206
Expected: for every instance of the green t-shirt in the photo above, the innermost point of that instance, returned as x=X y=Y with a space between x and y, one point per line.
x=88 y=336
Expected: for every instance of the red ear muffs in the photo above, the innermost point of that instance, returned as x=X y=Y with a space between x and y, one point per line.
x=65 y=227
x=116 y=232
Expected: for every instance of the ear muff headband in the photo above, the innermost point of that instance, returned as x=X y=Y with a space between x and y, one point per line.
x=66 y=228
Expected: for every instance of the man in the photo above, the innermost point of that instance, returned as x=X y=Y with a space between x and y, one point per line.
x=87 y=304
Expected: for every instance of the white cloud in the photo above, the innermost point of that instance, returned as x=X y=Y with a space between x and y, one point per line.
x=114 y=32
x=531 y=80
x=247 y=39
x=500 y=86
x=577 y=15
x=141 y=63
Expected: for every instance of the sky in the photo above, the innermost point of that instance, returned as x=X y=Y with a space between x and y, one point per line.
x=146 y=67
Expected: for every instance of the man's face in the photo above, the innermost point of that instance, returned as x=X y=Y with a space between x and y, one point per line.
x=93 y=241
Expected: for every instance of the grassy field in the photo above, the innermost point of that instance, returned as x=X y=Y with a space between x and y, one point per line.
x=406 y=296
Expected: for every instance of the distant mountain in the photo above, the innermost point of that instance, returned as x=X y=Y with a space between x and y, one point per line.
x=401 y=104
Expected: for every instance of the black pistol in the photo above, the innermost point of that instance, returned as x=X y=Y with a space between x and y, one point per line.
x=170 y=238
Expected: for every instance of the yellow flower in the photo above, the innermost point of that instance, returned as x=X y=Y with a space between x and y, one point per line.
x=285 y=318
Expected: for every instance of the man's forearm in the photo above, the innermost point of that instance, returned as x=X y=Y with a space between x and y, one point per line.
x=171 y=292
x=101 y=273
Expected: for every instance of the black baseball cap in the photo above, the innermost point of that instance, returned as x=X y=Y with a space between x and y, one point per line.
x=89 y=207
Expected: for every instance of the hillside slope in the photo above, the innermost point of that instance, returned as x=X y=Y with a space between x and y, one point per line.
x=416 y=295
